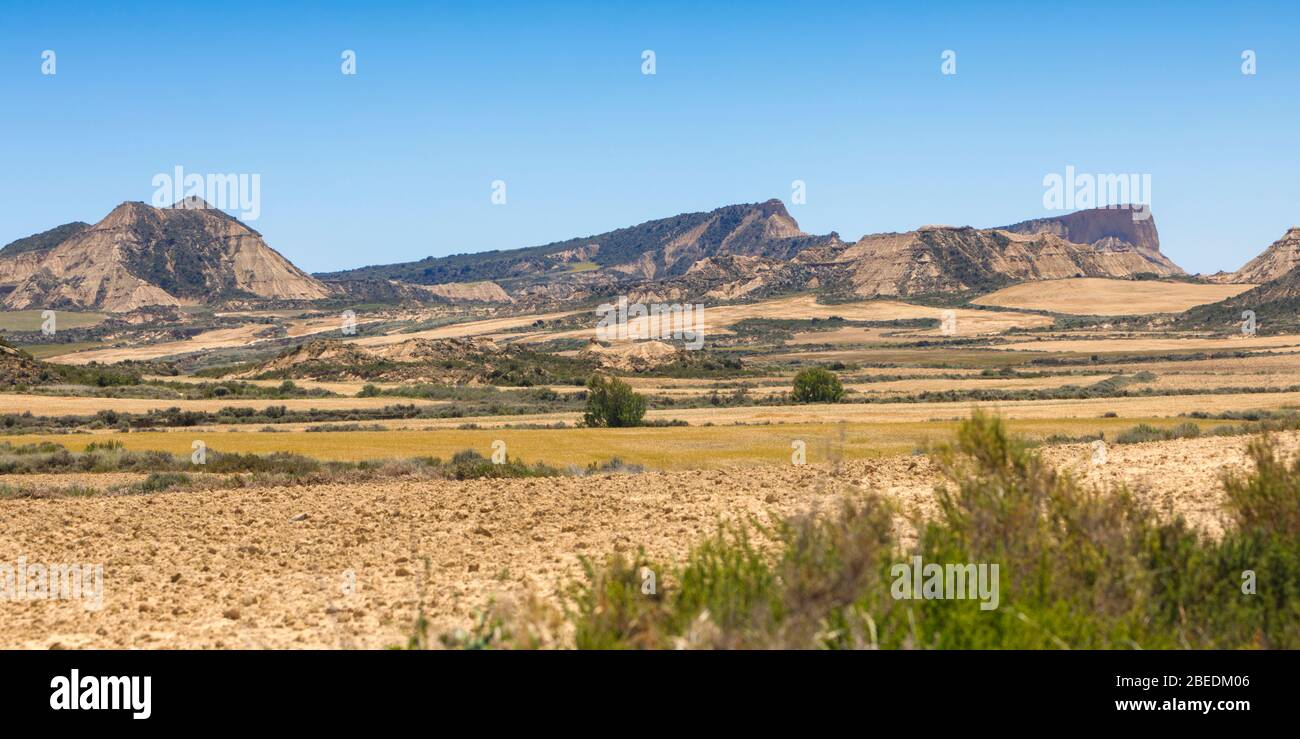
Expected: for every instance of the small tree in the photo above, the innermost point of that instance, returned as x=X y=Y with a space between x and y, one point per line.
x=817 y=385
x=611 y=402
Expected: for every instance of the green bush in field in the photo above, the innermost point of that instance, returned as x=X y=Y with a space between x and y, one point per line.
x=1144 y=432
x=470 y=465
x=160 y=481
x=612 y=402
x=817 y=385
x=1269 y=500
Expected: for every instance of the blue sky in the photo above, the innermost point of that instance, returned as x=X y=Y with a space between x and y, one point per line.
x=396 y=162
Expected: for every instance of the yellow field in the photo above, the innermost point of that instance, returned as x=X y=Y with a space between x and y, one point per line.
x=1242 y=367
x=1152 y=344
x=214 y=339
x=946 y=357
x=45 y=351
x=698 y=447
x=1091 y=296
x=45 y=405
x=30 y=320
x=852 y=335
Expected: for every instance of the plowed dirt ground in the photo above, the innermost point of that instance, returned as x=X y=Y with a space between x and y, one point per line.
x=344 y=565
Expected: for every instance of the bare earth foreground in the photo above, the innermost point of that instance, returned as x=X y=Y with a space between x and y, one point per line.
x=344 y=566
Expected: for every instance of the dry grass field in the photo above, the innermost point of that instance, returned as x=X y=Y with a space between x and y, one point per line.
x=1092 y=296
x=488 y=327
x=32 y=320
x=1063 y=411
x=53 y=405
x=215 y=339
x=225 y=338
x=1157 y=344
x=693 y=447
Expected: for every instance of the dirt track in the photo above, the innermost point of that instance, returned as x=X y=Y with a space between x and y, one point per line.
x=235 y=569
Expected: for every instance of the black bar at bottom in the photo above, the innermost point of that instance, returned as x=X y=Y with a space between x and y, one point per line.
x=808 y=689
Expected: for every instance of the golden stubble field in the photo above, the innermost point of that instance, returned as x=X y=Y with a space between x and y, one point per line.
x=1094 y=296
x=61 y=405
x=670 y=448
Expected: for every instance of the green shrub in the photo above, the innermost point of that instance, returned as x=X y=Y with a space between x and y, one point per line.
x=160 y=481
x=1143 y=432
x=468 y=464
x=817 y=385
x=1268 y=500
x=612 y=402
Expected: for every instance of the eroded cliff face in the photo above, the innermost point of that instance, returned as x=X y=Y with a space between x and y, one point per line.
x=1096 y=225
x=17 y=267
x=139 y=256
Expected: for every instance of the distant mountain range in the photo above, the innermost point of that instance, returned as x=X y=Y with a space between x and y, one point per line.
x=758 y=249
x=660 y=251
x=191 y=254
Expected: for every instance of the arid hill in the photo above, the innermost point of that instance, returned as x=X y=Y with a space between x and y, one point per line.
x=1284 y=288
x=656 y=250
x=632 y=356
x=140 y=256
x=1275 y=305
x=1279 y=258
x=467 y=292
x=938 y=259
x=21 y=258
x=16 y=368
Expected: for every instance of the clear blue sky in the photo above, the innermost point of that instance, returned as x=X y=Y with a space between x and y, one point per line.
x=396 y=162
